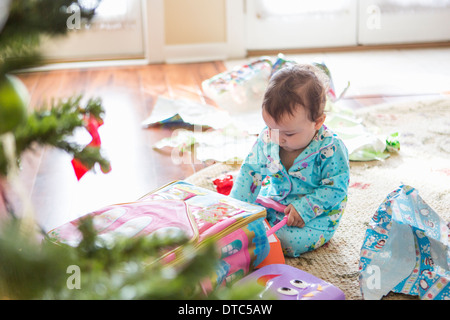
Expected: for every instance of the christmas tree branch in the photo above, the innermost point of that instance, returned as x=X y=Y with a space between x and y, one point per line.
x=123 y=268
x=27 y=22
x=55 y=126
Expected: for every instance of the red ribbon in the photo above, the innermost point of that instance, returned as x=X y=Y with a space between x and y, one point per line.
x=91 y=124
x=224 y=185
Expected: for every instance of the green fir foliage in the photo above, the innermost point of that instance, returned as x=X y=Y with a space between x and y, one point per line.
x=123 y=269
x=52 y=125
x=28 y=20
x=34 y=268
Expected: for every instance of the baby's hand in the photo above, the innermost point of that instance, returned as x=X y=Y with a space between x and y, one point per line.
x=294 y=219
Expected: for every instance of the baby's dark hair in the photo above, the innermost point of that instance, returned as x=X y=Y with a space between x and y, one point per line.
x=298 y=84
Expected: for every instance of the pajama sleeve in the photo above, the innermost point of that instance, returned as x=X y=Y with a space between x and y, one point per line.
x=333 y=184
x=248 y=181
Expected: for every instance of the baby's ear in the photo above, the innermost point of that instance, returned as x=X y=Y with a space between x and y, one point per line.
x=320 y=121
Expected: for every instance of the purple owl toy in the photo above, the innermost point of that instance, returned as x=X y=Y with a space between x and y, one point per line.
x=284 y=282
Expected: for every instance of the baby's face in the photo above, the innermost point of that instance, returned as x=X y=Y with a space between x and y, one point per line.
x=293 y=132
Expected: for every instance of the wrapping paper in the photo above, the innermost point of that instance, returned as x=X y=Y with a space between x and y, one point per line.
x=406 y=249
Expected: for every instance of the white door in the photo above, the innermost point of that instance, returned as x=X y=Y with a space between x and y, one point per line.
x=115 y=33
x=403 y=21
x=293 y=24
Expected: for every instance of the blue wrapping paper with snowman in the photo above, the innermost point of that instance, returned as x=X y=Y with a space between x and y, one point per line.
x=406 y=249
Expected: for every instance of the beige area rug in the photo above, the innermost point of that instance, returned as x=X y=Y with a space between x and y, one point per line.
x=423 y=162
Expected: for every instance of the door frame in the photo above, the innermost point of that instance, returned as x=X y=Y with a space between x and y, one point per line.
x=158 y=52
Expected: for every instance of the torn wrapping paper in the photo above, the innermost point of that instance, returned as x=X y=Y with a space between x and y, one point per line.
x=225 y=145
x=231 y=139
x=362 y=144
x=406 y=249
x=241 y=89
x=189 y=112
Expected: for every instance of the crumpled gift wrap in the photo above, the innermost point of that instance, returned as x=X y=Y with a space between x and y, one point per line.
x=228 y=145
x=406 y=249
x=240 y=90
x=184 y=111
x=361 y=143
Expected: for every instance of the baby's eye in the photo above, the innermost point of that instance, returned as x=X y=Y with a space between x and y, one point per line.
x=287 y=291
x=289 y=134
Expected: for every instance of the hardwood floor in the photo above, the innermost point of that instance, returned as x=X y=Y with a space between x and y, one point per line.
x=128 y=94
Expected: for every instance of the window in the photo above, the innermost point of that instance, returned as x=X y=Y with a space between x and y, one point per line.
x=292 y=24
x=286 y=24
x=403 y=21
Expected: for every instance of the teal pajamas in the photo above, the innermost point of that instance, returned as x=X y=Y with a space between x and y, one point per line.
x=316 y=185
